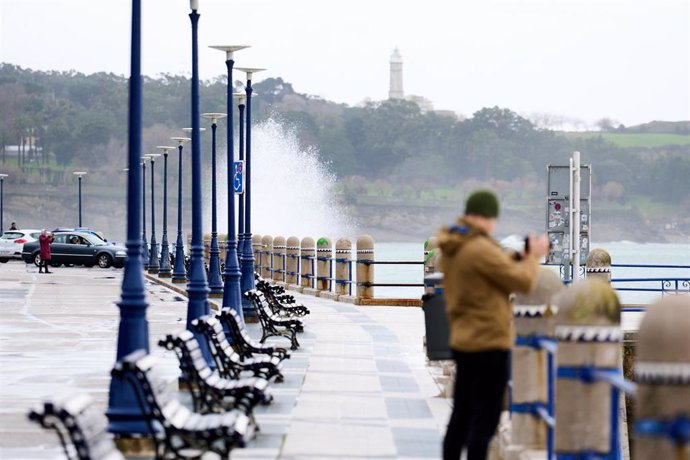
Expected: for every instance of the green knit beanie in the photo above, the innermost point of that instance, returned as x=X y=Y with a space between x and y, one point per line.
x=482 y=203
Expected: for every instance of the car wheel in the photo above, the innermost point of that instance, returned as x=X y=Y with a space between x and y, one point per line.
x=104 y=260
x=37 y=260
x=4 y=260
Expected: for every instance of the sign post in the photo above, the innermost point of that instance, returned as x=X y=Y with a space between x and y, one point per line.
x=238 y=177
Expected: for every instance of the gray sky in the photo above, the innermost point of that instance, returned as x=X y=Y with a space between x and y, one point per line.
x=624 y=59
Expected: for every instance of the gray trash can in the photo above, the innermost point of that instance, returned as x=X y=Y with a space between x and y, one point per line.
x=435 y=320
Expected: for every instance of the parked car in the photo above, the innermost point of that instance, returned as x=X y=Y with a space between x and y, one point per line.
x=12 y=243
x=78 y=248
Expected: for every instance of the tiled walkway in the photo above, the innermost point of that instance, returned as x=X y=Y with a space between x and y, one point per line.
x=358 y=387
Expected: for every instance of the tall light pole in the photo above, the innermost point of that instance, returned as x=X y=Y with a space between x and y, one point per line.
x=232 y=295
x=165 y=269
x=179 y=274
x=154 y=261
x=240 y=98
x=214 y=281
x=124 y=415
x=79 y=175
x=197 y=287
x=145 y=250
x=247 y=282
x=2 y=205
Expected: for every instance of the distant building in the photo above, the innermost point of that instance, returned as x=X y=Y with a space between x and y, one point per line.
x=396 y=84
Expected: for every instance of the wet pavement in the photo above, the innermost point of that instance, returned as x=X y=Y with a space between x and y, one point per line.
x=358 y=387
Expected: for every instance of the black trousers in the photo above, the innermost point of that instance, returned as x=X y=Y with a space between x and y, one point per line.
x=480 y=385
x=44 y=264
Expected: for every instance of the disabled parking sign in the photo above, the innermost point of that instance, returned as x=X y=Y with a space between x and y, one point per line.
x=238 y=177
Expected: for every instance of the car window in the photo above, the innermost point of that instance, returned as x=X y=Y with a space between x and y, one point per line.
x=12 y=235
x=35 y=235
x=72 y=239
x=60 y=239
x=94 y=240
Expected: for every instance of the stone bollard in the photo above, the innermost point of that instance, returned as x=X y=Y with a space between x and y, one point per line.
x=279 y=260
x=365 y=271
x=257 y=249
x=431 y=256
x=266 y=259
x=662 y=370
x=589 y=344
x=308 y=265
x=324 y=254
x=292 y=263
x=533 y=363
x=598 y=265
x=343 y=256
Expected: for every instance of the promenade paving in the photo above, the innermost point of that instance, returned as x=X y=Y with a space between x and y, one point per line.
x=358 y=387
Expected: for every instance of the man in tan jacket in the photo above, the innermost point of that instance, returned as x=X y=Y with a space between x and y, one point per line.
x=478 y=280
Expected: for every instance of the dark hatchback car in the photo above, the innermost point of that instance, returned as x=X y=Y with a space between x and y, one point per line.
x=77 y=248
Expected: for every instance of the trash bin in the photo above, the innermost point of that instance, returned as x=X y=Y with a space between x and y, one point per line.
x=435 y=321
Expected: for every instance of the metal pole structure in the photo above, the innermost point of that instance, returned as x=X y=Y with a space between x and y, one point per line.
x=232 y=296
x=124 y=415
x=2 y=205
x=145 y=251
x=214 y=281
x=179 y=274
x=247 y=282
x=79 y=175
x=165 y=269
x=241 y=240
x=154 y=261
x=576 y=215
x=197 y=287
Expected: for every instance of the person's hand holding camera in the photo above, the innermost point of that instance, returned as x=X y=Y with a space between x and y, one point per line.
x=538 y=245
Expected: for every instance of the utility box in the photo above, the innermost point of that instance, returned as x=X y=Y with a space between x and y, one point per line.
x=558 y=225
x=435 y=320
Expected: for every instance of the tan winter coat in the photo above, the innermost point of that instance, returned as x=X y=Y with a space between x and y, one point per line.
x=478 y=280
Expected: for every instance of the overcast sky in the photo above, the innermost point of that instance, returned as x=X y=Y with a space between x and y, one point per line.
x=624 y=59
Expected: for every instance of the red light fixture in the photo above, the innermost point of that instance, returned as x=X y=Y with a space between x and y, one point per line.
x=20 y=241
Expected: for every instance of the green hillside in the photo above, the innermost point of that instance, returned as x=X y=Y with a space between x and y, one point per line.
x=635 y=140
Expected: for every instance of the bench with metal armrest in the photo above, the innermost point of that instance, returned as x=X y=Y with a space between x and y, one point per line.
x=271 y=324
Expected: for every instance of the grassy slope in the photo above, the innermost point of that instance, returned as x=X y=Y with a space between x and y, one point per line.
x=645 y=140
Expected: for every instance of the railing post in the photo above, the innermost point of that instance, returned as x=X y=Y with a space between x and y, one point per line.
x=266 y=259
x=279 y=260
x=257 y=248
x=598 y=265
x=307 y=254
x=533 y=380
x=343 y=255
x=324 y=254
x=292 y=263
x=365 y=271
x=432 y=256
x=589 y=343
x=662 y=370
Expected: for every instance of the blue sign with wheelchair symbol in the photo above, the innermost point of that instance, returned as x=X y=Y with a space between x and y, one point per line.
x=238 y=177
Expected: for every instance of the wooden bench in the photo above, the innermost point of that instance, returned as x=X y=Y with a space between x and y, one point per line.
x=271 y=324
x=79 y=425
x=229 y=363
x=210 y=391
x=245 y=346
x=177 y=431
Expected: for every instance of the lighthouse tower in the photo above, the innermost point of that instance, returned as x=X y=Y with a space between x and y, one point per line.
x=396 y=86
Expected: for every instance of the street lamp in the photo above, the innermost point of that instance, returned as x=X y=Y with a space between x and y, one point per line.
x=165 y=270
x=154 y=262
x=247 y=282
x=2 y=206
x=145 y=250
x=79 y=174
x=124 y=415
x=197 y=287
x=240 y=98
x=232 y=295
x=214 y=281
x=179 y=274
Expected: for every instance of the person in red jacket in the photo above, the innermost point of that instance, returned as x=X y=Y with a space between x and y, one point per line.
x=44 y=240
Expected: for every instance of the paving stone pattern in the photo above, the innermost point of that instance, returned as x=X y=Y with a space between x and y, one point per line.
x=359 y=386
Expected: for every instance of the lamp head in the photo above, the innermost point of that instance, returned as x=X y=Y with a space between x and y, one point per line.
x=229 y=50
x=241 y=98
x=165 y=148
x=194 y=5
x=249 y=71
x=189 y=130
x=153 y=156
x=180 y=140
x=2 y=176
x=214 y=116
x=79 y=173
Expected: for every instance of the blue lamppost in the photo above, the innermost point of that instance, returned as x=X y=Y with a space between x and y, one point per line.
x=165 y=269
x=232 y=296
x=214 y=281
x=2 y=205
x=154 y=261
x=179 y=274
x=247 y=282
x=241 y=240
x=79 y=175
x=197 y=287
x=145 y=250
x=123 y=412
